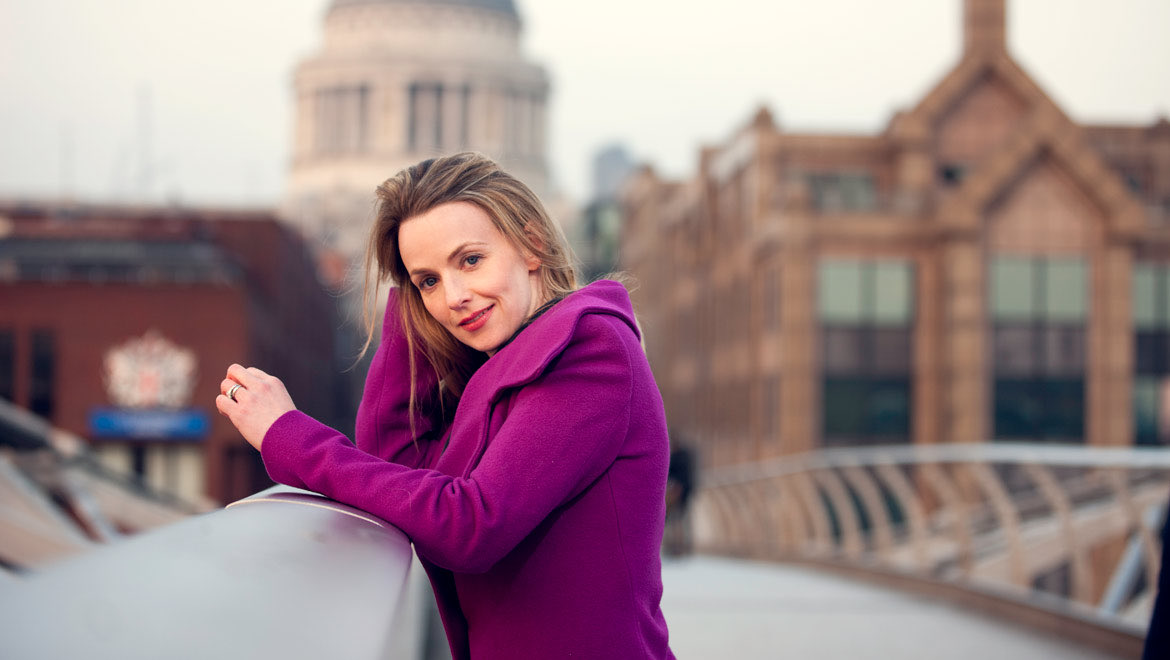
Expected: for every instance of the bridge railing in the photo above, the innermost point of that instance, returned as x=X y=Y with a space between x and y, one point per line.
x=282 y=574
x=58 y=500
x=1062 y=529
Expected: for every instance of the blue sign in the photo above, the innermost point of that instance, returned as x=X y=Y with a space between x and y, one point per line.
x=153 y=424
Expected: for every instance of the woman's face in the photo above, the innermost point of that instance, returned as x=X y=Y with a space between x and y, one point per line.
x=473 y=281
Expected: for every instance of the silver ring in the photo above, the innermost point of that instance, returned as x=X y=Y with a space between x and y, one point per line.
x=232 y=392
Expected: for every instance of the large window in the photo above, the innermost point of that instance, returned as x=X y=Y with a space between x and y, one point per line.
x=842 y=191
x=866 y=310
x=1151 y=327
x=1038 y=309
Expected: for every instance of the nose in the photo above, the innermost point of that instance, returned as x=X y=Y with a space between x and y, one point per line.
x=458 y=294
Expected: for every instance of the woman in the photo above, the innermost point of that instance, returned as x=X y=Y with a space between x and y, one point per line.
x=510 y=425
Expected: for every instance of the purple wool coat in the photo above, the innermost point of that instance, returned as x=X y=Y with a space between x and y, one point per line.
x=538 y=511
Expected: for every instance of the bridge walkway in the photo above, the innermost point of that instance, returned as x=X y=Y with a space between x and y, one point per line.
x=721 y=608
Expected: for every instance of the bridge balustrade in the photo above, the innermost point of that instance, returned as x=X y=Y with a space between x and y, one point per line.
x=1066 y=537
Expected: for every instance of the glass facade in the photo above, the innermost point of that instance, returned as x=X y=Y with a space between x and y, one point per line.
x=1151 y=328
x=866 y=312
x=1039 y=308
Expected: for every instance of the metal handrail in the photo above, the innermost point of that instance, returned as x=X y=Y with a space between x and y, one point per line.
x=25 y=431
x=1029 y=524
x=998 y=452
x=285 y=573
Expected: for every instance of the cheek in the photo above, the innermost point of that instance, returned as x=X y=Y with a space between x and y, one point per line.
x=433 y=304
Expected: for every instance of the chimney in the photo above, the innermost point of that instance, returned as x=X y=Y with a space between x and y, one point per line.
x=984 y=25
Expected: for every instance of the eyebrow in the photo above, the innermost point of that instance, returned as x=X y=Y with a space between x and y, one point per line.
x=462 y=247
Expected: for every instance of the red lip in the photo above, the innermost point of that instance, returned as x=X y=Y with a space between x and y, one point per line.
x=476 y=320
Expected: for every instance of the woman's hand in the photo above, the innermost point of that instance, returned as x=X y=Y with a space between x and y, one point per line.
x=256 y=403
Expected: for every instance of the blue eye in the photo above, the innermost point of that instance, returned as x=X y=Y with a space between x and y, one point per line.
x=472 y=259
x=427 y=282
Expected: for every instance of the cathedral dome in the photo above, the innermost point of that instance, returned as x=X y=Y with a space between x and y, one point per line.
x=504 y=6
x=397 y=81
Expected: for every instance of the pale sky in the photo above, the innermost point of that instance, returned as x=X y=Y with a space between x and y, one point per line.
x=201 y=91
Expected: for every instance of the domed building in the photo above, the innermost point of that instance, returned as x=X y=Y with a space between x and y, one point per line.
x=397 y=81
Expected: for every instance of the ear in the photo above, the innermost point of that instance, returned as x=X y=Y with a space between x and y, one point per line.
x=531 y=260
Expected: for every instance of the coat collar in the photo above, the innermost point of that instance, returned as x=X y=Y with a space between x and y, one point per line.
x=523 y=360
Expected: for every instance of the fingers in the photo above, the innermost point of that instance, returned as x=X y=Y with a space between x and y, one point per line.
x=224 y=405
x=259 y=400
x=252 y=383
x=243 y=376
x=226 y=386
x=249 y=377
x=229 y=391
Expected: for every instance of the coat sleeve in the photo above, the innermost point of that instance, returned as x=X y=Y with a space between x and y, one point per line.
x=562 y=432
x=383 y=425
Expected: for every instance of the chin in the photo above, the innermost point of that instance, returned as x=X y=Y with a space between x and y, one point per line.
x=483 y=345
x=492 y=347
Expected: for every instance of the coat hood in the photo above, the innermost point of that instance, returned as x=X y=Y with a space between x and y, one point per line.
x=526 y=356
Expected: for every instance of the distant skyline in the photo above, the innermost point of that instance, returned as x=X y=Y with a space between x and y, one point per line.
x=201 y=92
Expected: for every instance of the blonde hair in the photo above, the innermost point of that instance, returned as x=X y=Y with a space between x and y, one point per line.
x=514 y=210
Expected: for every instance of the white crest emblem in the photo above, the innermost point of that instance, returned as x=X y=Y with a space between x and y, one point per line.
x=149 y=372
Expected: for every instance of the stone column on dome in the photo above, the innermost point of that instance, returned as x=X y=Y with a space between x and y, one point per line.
x=407 y=88
x=512 y=132
x=391 y=118
x=347 y=106
x=365 y=119
x=375 y=101
x=474 y=112
x=519 y=125
x=320 y=122
x=490 y=123
x=539 y=126
x=303 y=127
x=500 y=143
x=465 y=115
x=357 y=117
x=437 y=116
x=449 y=115
x=526 y=125
x=423 y=128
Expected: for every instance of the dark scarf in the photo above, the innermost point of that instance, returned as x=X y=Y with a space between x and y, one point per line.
x=535 y=315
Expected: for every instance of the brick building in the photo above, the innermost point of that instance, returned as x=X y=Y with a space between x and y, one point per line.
x=984 y=268
x=117 y=324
